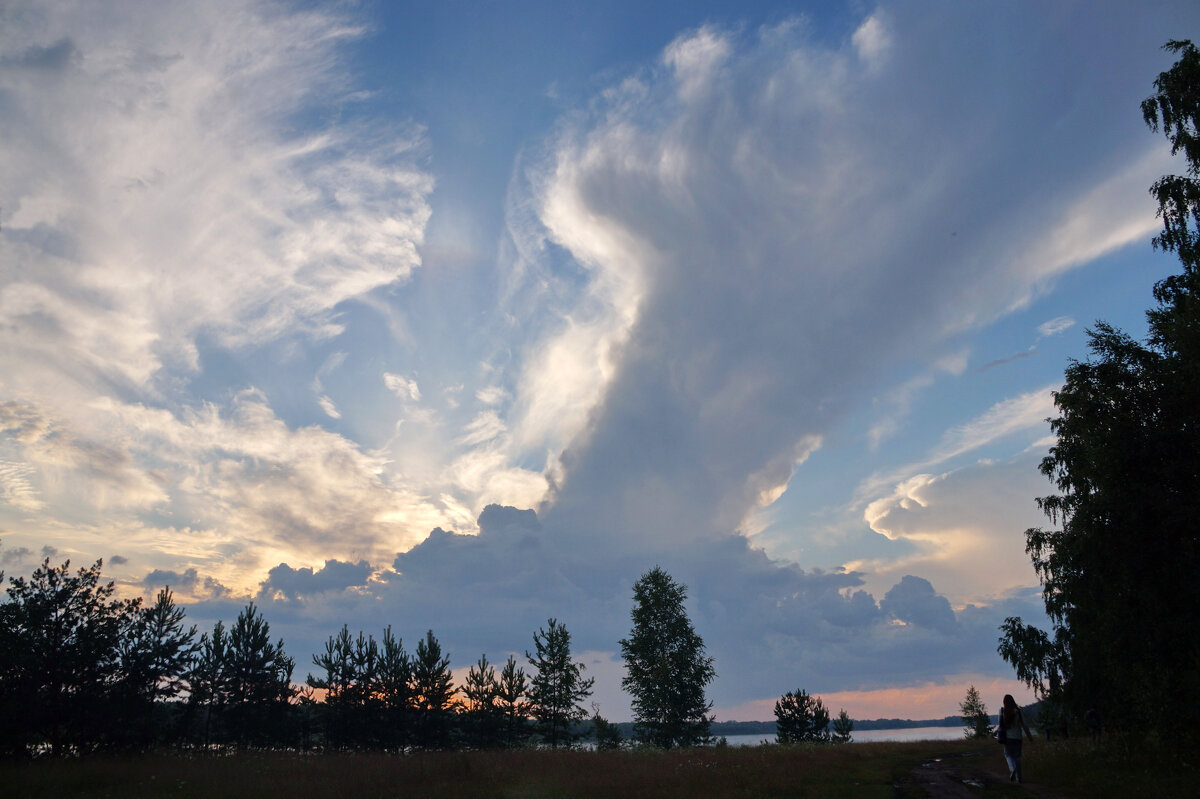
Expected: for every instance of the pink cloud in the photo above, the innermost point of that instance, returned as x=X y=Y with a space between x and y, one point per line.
x=927 y=701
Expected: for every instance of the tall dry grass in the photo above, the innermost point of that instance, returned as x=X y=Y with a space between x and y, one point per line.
x=1067 y=769
x=860 y=770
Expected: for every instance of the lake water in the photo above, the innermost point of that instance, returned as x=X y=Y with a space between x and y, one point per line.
x=863 y=736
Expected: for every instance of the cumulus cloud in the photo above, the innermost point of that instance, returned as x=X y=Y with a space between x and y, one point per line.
x=188 y=583
x=285 y=582
x=491 y=590
x=913 y=600
x=964 y=527
x=14 y=556
x=761 y=229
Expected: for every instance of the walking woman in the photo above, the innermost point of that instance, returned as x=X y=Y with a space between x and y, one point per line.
x=1012 y=723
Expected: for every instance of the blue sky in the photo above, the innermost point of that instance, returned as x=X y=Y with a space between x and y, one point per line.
x=773 y=295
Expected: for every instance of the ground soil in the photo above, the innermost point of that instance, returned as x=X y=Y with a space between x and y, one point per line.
x=969 y=775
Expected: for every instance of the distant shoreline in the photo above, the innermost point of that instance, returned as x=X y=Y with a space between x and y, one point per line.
x=720 y=728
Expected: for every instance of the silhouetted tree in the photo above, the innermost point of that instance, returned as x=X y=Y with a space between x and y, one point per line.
x=801 y=718
x=367 y=691
x=348 y=684
x=207 y=683
x=243 y=682
x=666 y=668
x=607 y=734
x=843 y=726
x=557 y=686
x=60 y=661
x=433 y=694
x=975 y=716
x=259 y=679
x=1119 y=576
x=512 y=704
x=481 y=718
x=395 y=691
x=156 y=653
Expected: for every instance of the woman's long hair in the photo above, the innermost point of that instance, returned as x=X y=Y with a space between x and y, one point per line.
x=1008 y=713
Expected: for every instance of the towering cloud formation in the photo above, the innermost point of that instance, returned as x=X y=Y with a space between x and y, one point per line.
x=768 y=225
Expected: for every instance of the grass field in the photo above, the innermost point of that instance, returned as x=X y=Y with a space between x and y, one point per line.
x=859 y=770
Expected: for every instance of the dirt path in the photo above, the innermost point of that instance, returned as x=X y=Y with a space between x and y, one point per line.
x=968 y=776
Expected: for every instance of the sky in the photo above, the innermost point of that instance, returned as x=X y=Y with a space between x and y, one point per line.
x=462 y=316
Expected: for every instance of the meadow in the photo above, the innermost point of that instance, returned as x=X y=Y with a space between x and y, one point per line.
x=892 y=769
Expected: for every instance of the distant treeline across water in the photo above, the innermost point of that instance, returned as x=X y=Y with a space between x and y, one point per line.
x=728 y=728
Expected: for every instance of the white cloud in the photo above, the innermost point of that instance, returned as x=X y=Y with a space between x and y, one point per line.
x=965 y=527
x=188 y=207
x=694 y=58
x=327 y=368
x=1100 y=221
x=1022 y=413
x=16 y=489
x=329 y=407
x=755 y=254
x=954 y=364
x=872 y=41
x=1055 y=326
x=405 y=388
x=491 y=395
x=484 y=427
x=162 y=204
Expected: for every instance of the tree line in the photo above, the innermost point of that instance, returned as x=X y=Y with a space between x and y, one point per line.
x=82 y=670
x=1119 y=572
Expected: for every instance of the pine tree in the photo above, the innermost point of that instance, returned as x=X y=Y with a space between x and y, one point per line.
x=60 y=664
x=975 y=716
x=512 y=703
x=433 y=694
x=207 y=682
x=842 y=727
x=337 y=662
x=800 y=718
x=557 y=686
x=480 y=691
x=395 y=692
x=253 y=683
x=156 y=652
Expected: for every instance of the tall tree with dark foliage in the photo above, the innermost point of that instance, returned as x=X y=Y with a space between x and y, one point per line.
x=1120 y=572
x=60 y=664
x=666 y=668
